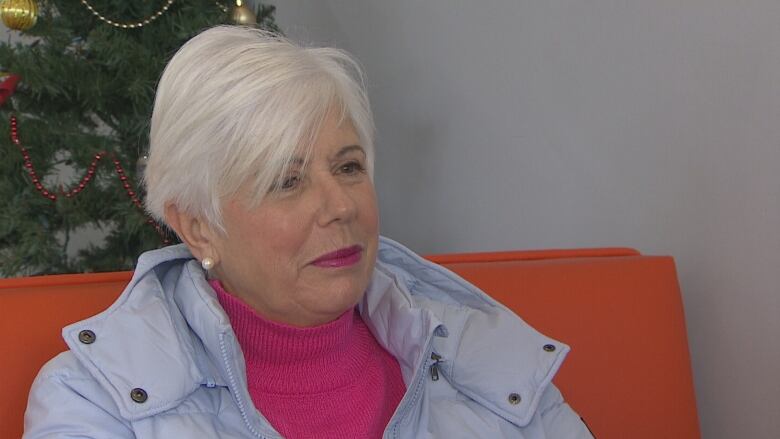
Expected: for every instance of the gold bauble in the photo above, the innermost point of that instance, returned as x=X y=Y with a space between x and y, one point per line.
x=242 y=14
x=19 y=14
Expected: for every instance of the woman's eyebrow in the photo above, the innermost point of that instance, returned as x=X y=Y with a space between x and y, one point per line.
x=346 y=150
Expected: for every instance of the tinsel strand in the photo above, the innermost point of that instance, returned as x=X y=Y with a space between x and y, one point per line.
x=132 y=25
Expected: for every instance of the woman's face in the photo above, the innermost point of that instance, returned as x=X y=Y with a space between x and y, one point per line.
x=275 y=256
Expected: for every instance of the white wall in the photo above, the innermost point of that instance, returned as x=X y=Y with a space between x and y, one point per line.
x=508 y=124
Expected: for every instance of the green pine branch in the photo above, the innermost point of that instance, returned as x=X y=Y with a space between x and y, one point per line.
x=86 y=87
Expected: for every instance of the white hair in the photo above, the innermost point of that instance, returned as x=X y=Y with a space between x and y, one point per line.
x=233 y=108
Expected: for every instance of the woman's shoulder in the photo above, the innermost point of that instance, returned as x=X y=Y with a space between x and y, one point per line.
x=63 y=367
x=64 y=376
x=426 y=280
x=65 y=397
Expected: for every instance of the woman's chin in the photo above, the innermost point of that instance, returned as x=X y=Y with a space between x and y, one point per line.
x=331 y=305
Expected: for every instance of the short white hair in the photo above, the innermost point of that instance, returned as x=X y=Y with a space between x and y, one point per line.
x=234 y=107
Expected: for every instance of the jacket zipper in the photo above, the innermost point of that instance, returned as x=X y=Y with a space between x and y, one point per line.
x=234 y=388
x=435 y=366
x=392 y=428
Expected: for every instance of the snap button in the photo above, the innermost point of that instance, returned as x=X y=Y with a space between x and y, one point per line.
x=87 y=337
x=139 y=395
x=549 y=348
x=441 y=331
x=514 y=398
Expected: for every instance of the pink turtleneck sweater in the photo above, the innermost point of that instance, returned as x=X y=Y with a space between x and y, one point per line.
x=328 y=381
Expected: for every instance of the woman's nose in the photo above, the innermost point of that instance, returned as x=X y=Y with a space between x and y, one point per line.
x=336 y=202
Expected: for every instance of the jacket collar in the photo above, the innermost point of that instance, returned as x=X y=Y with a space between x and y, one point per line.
x=411 y=306
x=487 y=352
x=140 y=341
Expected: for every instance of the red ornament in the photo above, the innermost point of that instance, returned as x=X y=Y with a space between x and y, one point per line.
x=7 y=87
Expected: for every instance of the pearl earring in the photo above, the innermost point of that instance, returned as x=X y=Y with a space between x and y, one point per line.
x=207 y=263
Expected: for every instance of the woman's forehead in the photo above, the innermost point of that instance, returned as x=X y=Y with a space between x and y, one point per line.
x=335 y=140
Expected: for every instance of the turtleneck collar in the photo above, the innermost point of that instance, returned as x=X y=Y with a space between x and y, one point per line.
x=295 y=360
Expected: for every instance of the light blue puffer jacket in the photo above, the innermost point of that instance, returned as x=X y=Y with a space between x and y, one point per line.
x=167 y=342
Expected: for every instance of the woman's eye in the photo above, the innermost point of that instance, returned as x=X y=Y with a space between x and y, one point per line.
x=287 y=184
x=351 y=168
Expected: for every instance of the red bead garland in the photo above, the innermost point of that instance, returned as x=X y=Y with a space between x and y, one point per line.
x=28 y=163
x=85 y=180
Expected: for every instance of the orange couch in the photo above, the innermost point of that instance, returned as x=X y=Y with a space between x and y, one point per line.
x=628 y=375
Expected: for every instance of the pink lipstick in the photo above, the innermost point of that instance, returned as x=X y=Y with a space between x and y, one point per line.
x=340 y=258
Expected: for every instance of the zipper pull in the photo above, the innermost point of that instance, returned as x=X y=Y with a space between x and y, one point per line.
x=435 y=366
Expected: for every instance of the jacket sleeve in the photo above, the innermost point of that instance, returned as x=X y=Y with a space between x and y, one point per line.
x=558 y=419
x=66 y=404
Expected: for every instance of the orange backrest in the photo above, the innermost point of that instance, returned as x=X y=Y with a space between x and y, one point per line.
x=34 y=310
x=628 y=374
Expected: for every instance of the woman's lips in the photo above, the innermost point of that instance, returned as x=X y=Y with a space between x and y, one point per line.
x=340 y=258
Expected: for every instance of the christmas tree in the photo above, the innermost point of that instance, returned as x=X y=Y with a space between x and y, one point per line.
x=81 y=108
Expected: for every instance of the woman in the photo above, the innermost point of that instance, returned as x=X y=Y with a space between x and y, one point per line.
x=284 y=314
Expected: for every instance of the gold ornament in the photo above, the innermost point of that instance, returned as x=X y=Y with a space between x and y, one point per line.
x=19 y=14
x=242 y=14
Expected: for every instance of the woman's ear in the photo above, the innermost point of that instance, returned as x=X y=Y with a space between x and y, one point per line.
x=195 y=232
